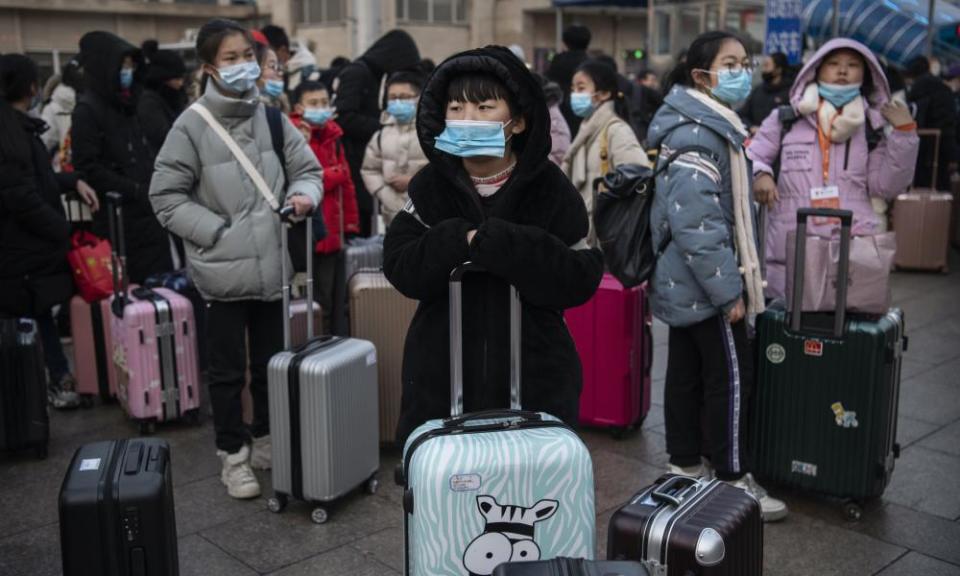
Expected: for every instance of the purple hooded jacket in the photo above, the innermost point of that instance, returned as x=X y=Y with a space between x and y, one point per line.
x=857 y=172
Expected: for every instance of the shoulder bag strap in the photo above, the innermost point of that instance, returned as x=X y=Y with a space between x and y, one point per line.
x=245 y=162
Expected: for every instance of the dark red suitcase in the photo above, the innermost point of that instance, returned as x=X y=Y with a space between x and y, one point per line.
x=682 y=525
x=571 y=567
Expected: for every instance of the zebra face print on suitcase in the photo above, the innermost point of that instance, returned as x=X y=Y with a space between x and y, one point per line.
x=475 y=500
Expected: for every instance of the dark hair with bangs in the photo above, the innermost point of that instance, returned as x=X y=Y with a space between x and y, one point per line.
x=475 y=87
x=308 y=86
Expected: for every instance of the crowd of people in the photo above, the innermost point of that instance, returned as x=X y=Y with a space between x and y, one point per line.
x=477 y=159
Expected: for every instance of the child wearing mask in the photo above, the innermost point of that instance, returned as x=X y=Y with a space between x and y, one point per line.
x=313 y=115
x=231 y=233
x=605 y=139
x=489 y=195
x=707 y=281
x=394 y=154
x=851 y=143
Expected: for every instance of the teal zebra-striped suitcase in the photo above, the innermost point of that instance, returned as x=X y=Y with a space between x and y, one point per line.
x=492 y=487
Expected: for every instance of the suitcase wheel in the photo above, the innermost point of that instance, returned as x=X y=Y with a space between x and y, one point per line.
x=277 y=503
x=86 y=401
x=194 y=417
x=852 y=511
x=41 y=452
x=147 y=427
x=372 y=486
x=319 y=515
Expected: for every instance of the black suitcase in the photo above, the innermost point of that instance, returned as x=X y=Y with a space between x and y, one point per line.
x=116 y=510
x=571 y=567
x=682 y=525
x=24 y=423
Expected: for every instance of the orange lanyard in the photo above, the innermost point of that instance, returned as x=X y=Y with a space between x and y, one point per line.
x=825 y=144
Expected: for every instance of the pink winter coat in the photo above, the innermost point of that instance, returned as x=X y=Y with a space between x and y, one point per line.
x=856 y=171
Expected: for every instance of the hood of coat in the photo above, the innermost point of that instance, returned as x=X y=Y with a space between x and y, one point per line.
x=65 y=97
x=102 y=55
x=681 y=109
x=881 y=89
x=394 y=51
x=531 y=147
x=31 y=124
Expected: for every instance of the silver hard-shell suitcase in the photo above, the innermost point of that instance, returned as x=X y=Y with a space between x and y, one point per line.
x=323 y=413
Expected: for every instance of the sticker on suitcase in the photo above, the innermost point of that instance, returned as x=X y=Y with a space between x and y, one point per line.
x=813 y=347
x=776 y=354
x=844 y=418
x=465 y=482
x=507 y=535
x=805 y=468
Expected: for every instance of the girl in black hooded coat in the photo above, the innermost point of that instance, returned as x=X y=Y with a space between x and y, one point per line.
x=518 y=217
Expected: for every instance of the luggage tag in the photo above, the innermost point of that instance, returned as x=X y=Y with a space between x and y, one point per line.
x=825 y=197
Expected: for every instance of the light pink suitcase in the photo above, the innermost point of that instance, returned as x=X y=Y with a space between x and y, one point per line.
x=612 y=333
x=91 y=329
x=155 y=344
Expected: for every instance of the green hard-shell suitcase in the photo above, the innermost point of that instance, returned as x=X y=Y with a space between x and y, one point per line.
x=827 y=393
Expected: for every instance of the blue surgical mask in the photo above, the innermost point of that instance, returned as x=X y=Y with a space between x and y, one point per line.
x=733 y=86
x=273 y=88
x=317 y=116
x=838 y=94
x=126 y=78
x=581 y=103
x=239 y=77
x=402 y=110
x=468 y=138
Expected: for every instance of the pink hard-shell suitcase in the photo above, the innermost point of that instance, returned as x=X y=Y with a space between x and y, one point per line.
x=612 y=333
x=155 y=344
x=91 y=329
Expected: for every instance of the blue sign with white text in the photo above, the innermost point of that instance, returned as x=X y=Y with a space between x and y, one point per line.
x=783 y=29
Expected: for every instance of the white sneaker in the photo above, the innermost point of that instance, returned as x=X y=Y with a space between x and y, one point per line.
x=237 y=475
x=692 y=471
x=771 y=509
x=261 y=453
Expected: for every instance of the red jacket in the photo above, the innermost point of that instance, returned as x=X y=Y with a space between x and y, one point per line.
x=337 y=184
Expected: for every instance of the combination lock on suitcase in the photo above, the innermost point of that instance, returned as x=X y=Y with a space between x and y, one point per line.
x=324 y=436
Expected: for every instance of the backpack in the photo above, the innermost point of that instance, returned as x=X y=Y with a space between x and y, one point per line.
x=788 y=117
x=622 y=218
x=297 y=244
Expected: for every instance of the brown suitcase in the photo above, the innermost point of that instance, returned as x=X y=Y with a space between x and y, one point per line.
x=682 y=525
x=381 y=314
x=921 y=219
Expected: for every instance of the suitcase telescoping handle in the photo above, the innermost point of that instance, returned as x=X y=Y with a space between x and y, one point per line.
x=118 y=252
x=456 y=340
x=846 y=222
x=286 y=220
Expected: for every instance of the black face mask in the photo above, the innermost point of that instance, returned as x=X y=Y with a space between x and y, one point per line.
x=767 y=77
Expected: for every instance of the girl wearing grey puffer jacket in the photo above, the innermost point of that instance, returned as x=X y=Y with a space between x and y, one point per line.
x=231 y=234
x=707 y=281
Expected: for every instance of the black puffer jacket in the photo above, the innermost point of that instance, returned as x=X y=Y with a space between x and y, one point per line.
x=529 y=234
x=358 y=104
x=932 y=104
x=34 y=234
x=157 y=109
x=764 y=99
x=111 y=150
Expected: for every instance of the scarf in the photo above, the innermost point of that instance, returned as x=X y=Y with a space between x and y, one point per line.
x=590 y=129
x=744 y=232
x=839 y=125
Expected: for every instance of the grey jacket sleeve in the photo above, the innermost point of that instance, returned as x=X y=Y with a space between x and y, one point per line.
x=172 y=192
x=304 y=174
x=693 y=188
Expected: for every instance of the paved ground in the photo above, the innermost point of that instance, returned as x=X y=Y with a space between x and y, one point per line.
x=913 y=529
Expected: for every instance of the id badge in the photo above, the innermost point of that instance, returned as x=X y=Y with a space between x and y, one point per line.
x=824 y=197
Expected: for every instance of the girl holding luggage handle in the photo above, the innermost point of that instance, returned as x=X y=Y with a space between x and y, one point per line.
x=489 y=195
x=849 y=142
x=211 y=188
x=707 y=282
